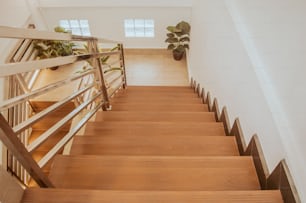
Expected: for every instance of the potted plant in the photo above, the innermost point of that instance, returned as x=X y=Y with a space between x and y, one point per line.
x=53 y=48
x=178 y=39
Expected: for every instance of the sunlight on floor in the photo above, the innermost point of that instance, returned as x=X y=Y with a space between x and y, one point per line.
x=154 y=67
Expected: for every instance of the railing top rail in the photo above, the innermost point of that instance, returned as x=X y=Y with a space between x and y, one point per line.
x=102 y=40
x=21 y=33
x=22 y=67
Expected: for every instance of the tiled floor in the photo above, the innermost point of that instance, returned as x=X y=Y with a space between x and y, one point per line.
x=143 y=67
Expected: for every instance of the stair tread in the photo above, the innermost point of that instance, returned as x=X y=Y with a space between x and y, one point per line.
x=165 y=128
x=160 y=107
x=176 y=100
x=40 y=105
x=154 y=173
x=102 y=196
x=155 y=145
x=155 y=116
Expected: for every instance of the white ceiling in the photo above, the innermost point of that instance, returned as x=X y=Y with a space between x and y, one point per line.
x=115 y=3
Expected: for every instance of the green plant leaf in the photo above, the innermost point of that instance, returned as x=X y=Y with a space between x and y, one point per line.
x=180 y=48
x=186 y=46
x=185 y=39
x=170 y=35
x=172 y=40
x=171 y=47
x=173 y=29
x=184 y=26
x=113 y=69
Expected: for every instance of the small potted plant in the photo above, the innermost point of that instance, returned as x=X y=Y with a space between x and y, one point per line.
x=178 y=39
x=53 y=48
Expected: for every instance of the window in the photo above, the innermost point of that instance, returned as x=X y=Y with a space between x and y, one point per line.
x=77 y=27
x=139 y=27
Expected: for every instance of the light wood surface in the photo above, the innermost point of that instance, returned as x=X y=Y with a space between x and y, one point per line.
x=147 y=150
x=156 y=116
x=160 y=107
x=96 y=196
x=154 y=173
x=10 y=190
x=140 y=144
x=155 y=67
x=114 y=128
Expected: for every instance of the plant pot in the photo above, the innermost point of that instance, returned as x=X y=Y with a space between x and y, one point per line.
x=54 y=68
x=178 y=55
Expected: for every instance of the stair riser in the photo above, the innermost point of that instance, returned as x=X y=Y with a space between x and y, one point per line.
x=158 y=145
x=163 y=107
x=158 y=128
x=81 y=196
x=156 y=116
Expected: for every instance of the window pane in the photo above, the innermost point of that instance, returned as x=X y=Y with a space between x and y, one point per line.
x=85 y=31
x=129 y=32
x=139 y=27
x=149 y=23
x=64 y=24
x=139 y=23
x=84 y=23
x=76 y=31
x=149 y=32
x=74 y=24
x=139 y=32
x=128 y=23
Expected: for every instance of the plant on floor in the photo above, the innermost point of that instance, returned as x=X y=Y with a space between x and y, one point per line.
x=178 y=39
x=53 y=48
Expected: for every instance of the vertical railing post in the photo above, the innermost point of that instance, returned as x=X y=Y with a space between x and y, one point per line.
x=13 y=144
x=122 y=64
x=95 y=49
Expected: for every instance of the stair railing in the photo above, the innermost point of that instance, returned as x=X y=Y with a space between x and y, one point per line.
x=19 y=84
x=95 y=94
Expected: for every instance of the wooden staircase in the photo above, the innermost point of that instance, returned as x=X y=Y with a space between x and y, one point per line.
x=46 y=123
x=158 y=144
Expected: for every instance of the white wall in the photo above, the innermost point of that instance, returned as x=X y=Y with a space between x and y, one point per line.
x=115 y=3
x=251 y=56
x=12 y=13
x=108 y=22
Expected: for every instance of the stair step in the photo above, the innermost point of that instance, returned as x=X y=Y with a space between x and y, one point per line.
x=156 y=116
x=150 y=100
x=159 y=88
x=156 y=89
x=160 y=107
x=41 y=105
x=168 y=95
x=159 y=128
x=158 y=145
x=99 y=196
x=154 y=173
x=50 y=142
x=47 y=122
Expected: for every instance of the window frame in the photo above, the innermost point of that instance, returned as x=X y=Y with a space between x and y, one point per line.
x=139 y=28
x=76 y=26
